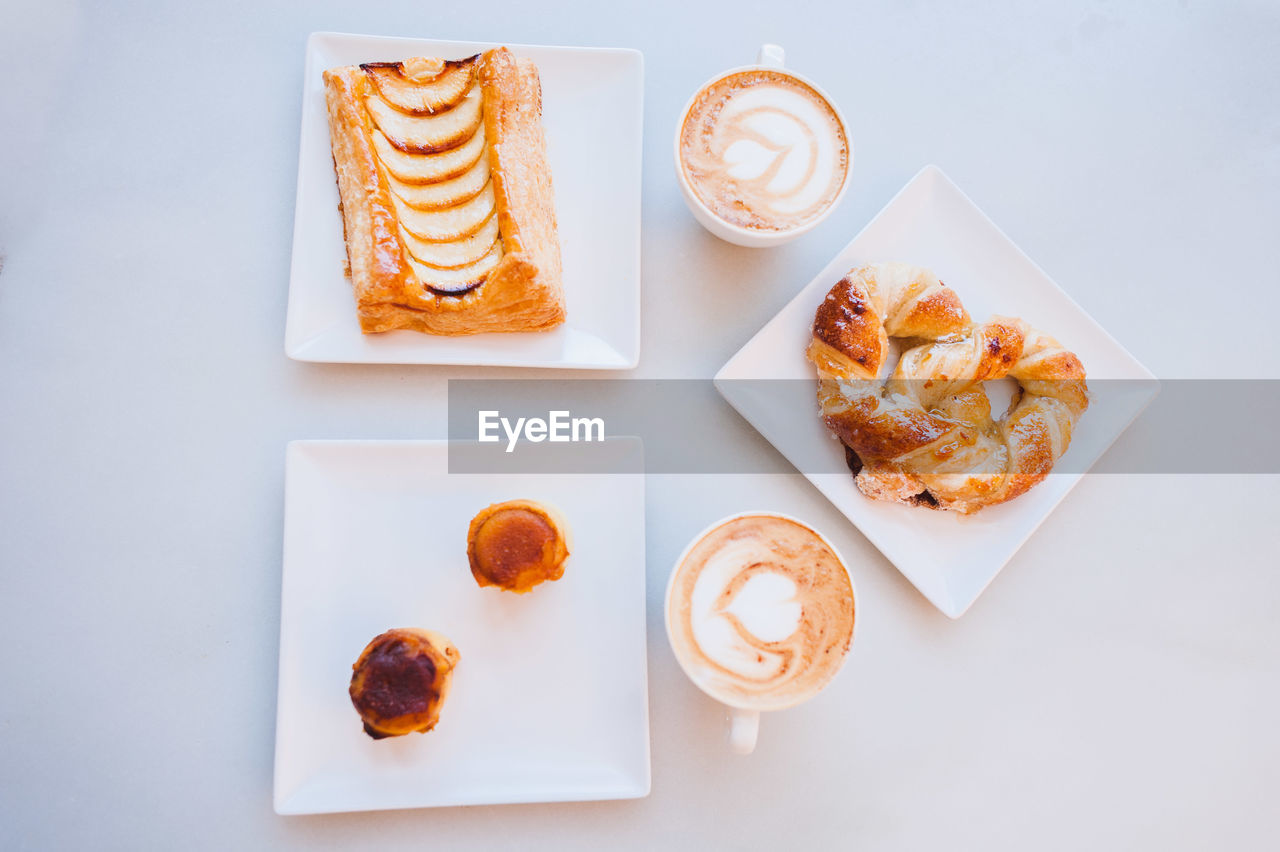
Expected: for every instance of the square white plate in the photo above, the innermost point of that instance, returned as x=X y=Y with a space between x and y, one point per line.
x=549 y=700
x=949 y=557
x=592 y=111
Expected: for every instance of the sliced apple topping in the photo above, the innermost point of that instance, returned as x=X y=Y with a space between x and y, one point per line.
x=429 y=168
x=451 y=254
x=421 y=68
x=449 y=223
x=422 y=93
x=444 y=193
x=460 y=280
x=427 y=134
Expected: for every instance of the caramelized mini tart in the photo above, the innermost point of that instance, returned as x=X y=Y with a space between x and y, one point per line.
x=516 y=545
x=401 y=680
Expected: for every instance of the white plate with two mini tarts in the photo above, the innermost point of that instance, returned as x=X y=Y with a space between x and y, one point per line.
x=950 y=558
x=549 y=700
x=592 y=112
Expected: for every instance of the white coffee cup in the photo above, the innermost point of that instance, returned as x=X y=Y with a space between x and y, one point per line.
x=744 y=720
x=770 y=57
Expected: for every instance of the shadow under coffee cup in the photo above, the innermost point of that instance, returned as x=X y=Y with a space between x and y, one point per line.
x=760 y=612
x=762 y=153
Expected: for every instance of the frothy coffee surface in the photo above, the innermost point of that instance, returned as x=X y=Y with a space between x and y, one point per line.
x=762 y=150
x=761 y=612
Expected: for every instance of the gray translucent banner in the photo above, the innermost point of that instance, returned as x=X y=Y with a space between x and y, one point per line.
x=699 y=426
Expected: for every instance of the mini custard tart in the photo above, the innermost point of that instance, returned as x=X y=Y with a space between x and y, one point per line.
x=447 y=205
x=401 y=680
x=516 y=545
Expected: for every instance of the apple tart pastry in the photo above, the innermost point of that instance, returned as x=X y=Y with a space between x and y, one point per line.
x=447 y=204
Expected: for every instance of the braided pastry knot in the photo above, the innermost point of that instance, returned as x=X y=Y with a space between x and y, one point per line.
x=924 y=433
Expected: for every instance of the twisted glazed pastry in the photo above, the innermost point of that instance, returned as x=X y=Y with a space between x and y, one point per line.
x=924 y=434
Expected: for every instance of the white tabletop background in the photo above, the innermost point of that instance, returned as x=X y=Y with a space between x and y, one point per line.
x=1118 y=686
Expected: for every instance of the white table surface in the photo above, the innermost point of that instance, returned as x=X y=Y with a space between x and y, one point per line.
x=1117 y=687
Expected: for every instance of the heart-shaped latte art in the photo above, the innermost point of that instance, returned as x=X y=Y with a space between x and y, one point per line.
x=764 y=605
x=763 y=150
x=761 y=611
x=744 y=613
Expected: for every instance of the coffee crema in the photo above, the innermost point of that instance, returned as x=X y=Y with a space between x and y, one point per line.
x=761 y=612
x=762 y=150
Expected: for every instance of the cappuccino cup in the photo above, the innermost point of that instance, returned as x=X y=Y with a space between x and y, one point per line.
x=762 y=154
x=760 y=615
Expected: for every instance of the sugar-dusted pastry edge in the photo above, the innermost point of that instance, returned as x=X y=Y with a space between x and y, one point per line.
x=524 y=291
x=526 y=204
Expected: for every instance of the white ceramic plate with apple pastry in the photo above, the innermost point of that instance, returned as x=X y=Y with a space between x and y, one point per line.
x=592 y=111
x=949 y=557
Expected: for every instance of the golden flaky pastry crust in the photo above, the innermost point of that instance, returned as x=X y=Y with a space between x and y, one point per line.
x=517 y=544
x=524 y=291
x=922 y=431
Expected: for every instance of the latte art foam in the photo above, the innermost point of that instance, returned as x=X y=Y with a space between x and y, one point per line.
x=763 y=150
x=761 y=612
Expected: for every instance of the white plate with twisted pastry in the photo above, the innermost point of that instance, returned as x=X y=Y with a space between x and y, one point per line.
x=939 y=388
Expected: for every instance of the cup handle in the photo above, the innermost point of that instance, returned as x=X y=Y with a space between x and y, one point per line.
x=771 y=56
x=744 y=728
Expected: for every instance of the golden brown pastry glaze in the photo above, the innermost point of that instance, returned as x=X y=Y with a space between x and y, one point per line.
x=448 y=209
x=517 y=545
x=401 y=680
x=924 y=434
